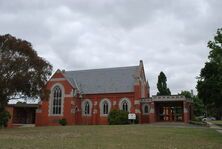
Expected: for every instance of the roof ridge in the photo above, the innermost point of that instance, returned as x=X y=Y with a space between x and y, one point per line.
x=102 y=68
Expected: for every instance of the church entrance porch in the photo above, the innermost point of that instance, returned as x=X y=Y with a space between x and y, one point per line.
x=24 y=115
x=169 y=111
x=173 y=108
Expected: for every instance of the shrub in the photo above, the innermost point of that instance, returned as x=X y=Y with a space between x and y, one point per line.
x=4 y=117
x=198 y=118
x=118 y=117
x=63 y=122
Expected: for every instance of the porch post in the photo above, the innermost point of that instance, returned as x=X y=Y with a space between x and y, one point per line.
x=185 y=112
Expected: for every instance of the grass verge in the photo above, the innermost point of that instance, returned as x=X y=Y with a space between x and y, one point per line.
x=110 y=137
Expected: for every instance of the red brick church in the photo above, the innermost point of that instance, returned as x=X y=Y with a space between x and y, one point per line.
x=87 y=97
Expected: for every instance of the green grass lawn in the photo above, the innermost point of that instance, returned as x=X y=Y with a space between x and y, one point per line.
x=110 y=137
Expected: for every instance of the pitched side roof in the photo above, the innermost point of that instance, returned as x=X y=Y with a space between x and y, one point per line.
x=108 y=80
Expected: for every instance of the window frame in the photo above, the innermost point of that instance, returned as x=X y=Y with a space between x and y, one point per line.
x=125 y=100
x=57 y=101
x=125 y=106
x=105 y=108
x=87 y=108
x=144 y=110
x=83 y=107
x=51 y=100
x=102 y=107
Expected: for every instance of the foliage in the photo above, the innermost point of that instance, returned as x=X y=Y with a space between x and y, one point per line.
x=198 y=106
x=209 y=83
x=63 y=122
x=198 y=118
x=22 y=71
x=187 y=94
x=162 y=85
x=4 y=117
x=118 y=117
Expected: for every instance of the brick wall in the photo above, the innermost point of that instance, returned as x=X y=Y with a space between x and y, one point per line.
x=71 y=103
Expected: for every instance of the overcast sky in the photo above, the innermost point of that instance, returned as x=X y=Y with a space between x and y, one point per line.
x=169 y=36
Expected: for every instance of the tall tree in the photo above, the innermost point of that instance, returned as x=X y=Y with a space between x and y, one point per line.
x=162 y=85
x=22 y=70
x=209 y=84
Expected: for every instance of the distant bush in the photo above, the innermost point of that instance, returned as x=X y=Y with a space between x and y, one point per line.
x=197 y=119
x=118 y=117
x=4 y=117
x=63 y=122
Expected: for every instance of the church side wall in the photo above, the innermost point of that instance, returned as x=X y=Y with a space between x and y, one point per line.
x=72 y=110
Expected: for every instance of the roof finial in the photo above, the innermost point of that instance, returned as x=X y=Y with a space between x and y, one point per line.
x=141 y=62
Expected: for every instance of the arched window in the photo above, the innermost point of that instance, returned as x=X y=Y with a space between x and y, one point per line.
x=125 y=106
x=105 y=107
x=146 y=109
x=57 y=100
x=87 y=108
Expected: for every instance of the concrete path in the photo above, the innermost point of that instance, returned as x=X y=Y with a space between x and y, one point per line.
x=175 y=125
x=213 y=126
x=23 y=125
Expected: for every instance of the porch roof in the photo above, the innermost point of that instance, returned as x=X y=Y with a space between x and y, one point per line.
x=23 y=105
x=166 y=98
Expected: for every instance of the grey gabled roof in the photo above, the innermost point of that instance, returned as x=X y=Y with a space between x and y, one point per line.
x=108 y=80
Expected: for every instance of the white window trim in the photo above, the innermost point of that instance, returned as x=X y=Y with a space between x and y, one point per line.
x=121 y=103
x=101 y=107
x=51 y=97
x=143 y=109
x=83 y=107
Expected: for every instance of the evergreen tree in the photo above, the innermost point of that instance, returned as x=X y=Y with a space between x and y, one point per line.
x=162 y=85
x=209 y=83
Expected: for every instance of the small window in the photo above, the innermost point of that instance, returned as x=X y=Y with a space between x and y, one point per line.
x=146 y=109
x=76 y=109
x=105 y=107
x=87 y=108
x=125 y=106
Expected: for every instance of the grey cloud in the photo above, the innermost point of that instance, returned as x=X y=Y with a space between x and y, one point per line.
x=170 y=36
